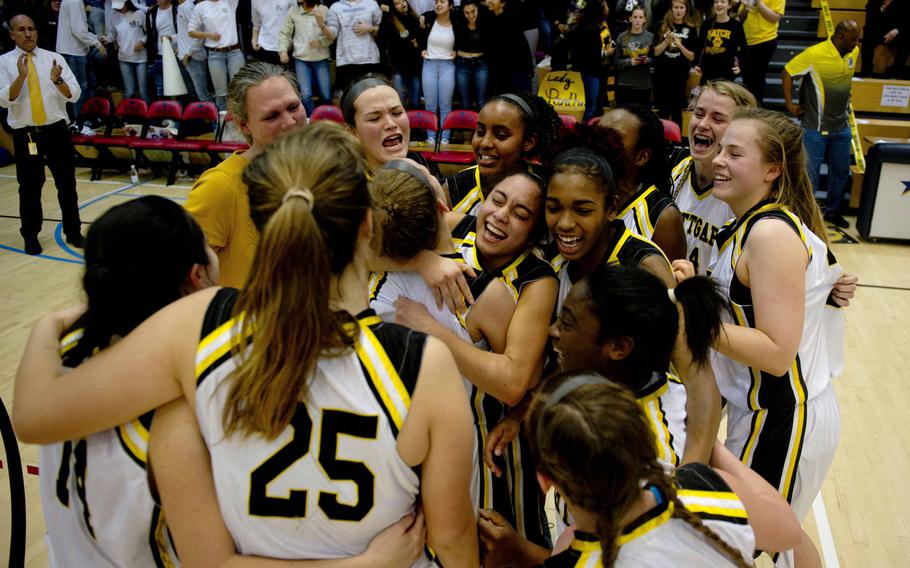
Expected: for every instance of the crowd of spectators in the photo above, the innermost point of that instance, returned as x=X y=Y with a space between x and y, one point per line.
x=444 y=52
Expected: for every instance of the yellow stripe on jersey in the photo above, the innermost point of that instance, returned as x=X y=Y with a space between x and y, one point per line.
x=653 y=408
x=510 y=274
x=70 y=340
x=759 y=421
x=472 y=197
x=642 y=213
x=796 y=443
x=216 y=344
x=720 y=503
x=377 y=279
x=585 y=545
x=135 y=437
x=647 y=527
x=382 y=373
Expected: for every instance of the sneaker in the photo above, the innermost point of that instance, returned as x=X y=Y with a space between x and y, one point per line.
x=32 y=246
x=836 y=219
x=75 y=239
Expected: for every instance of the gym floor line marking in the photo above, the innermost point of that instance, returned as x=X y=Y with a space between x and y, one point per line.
x=883 y=287
x=112 y=182
x=826 y=539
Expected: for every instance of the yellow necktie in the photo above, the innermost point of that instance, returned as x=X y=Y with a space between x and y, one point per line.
x=34 y=93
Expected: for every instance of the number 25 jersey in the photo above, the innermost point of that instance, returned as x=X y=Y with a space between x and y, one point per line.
x=333 y=479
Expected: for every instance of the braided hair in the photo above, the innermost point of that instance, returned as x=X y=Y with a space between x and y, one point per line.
x=542 y=120
x=596 y=445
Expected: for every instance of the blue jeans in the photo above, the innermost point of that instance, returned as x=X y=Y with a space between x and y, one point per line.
x=198 y=72
x=438 y=88
x=96 y=20
x=156 y=72
x=134 y=80
x=408 y=87
x=592 y=92
x=223 y=66
x=78 y=65
x=310 y=74
x=833 y=149
x=472 y=74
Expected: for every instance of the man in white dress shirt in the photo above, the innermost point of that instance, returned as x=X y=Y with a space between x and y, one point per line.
x=35 y=85
x=74 y=41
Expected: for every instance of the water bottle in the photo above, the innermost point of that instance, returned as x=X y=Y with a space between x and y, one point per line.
x=134 y=175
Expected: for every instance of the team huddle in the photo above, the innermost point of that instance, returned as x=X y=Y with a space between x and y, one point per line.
x=408 y=363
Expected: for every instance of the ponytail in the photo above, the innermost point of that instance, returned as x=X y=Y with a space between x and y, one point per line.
x=309 y=189
x=702 y=306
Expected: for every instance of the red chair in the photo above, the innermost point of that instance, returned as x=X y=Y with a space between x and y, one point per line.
x=198 y=126
x=568 y=121
x=95 y=115
x=671 y=131
x=222 y=148
x=422 y=120
x=150 y=148
x=464 y=120
x=328 y=112
x=128 y=123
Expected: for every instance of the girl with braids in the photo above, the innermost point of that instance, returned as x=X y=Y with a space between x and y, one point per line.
x=277 y=364
x=772 y=362
x=595 y=446
x=139 y=257
x=512 y=132
x=645 y=206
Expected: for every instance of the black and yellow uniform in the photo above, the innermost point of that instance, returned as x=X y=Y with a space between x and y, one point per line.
x=642 y=211
x=657 y=538
x=465 y=194
x=518 y=500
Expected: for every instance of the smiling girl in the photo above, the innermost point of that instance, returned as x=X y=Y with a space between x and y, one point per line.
x=773 y=263
x=512 y=131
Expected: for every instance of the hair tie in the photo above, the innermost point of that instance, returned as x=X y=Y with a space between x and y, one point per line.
x=304 y=194
x=563 y=390
x=671 y=293
x=520 y=102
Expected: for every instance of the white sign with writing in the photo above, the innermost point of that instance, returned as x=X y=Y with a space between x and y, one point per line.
x=895 y=96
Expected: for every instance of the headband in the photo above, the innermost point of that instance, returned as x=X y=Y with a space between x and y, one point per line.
x=304 y=194
x=582 y=152
x=354 y=91
x=564 y=390
x=520 y=102
x=406 y=166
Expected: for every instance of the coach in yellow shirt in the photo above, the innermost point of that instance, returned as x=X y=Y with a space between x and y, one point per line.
x=760 y=19
x=827 y=71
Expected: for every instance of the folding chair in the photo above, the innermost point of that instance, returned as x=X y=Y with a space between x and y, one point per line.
x=95 y=116
x=422 y=120
x=162 y=119
x=127 y=124
x=222 y=148
x=458 y=120
x=198 y=127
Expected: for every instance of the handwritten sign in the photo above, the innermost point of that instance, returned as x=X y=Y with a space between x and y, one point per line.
x=565 y=91
x=895 y=96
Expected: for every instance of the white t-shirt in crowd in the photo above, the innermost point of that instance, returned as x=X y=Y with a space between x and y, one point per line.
x=129 y=30
x=187 y=45
x=441 y=42
x=218 y=16
x=268 y=16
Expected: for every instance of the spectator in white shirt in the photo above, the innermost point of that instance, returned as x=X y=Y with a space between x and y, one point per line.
x=268 y=17
x=160 y=24
x=130 y=37
x=215 y=21
x=74 y=40
x=191 y=52
x=35 y=86
x=354 y=23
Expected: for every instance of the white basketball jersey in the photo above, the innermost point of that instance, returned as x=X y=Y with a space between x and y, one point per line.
x=95 y=495
x=333 y=478
x=810 y=373
x=658 y=539
x=703 y=214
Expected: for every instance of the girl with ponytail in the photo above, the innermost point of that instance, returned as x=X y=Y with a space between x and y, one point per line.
x=778 y=352
x=594 y=445
x=293 y=364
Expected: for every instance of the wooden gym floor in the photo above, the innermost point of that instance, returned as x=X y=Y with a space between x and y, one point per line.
x=863 y=518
